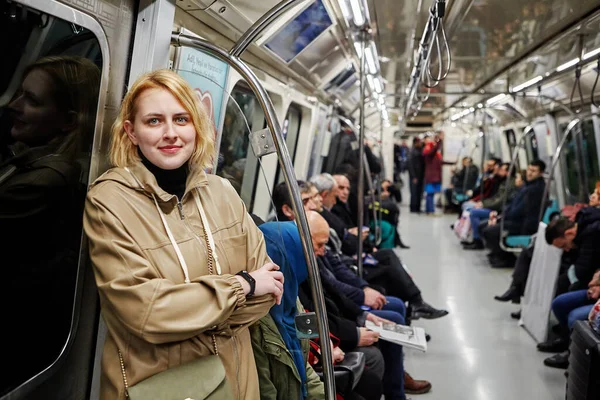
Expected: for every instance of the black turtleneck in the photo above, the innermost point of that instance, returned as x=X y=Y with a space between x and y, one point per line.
x=171 y=181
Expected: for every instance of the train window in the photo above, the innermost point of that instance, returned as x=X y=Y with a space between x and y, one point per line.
x=511 y=139
x=590 y=159
x=49 y=88
x=531 y=148
x=236 y=163
x=291 y=131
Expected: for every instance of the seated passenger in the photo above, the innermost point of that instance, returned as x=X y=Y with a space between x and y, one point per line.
x=388 y=273
x=463 y=180
x=489 y=181
x=393 y=380
x=481 y=210
x=520 y=217
x=281 y=374
x=517 y=287
x=568 y=308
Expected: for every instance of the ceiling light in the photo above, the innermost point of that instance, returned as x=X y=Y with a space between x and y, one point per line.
x=358 y=14
x=591 y=54
x=567 y=65
x=495 y=99
x=358 y=48
x=377 y=85
x=371 y=82
x=345 y=10
x=527 y=84
x=382 y=100
x=370 y=60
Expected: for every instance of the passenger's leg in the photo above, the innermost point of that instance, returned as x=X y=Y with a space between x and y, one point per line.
x=579 y=314
x=395 y=304
x=520 y=275
x=415 y=198
x=477 y=215
x=373 y=360
x=429 y=203
x=565 y=303
x=393 y=377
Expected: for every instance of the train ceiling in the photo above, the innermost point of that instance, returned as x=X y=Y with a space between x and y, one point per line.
x=496 y=46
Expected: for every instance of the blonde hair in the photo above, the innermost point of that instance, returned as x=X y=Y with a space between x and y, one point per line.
x=77 y=85
x=124 y=153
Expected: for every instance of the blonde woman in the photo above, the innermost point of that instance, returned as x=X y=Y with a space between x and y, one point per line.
x=180 y=266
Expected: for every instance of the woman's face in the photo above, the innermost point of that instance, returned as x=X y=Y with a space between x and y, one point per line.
x=162 y=129
x=37 y=119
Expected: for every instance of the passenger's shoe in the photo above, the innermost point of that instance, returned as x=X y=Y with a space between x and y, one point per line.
x=414 y=386
x=512 y=294
x=427 y=337
x=516 y=315
x=424 y=310
x=560 y=360
x=553 y=346
x=476 y=245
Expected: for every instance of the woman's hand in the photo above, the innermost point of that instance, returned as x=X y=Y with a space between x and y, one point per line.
x=268 y=281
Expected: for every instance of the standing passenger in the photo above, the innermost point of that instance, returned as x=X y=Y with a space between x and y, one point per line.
x=416 y=171
x=433 y=170
x=169 y=292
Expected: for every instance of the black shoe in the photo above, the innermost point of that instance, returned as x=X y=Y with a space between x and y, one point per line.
x=560 y=360
x=512 y=294
x=424 y=310
x=476 y=245
x=427 y=337
x=553 y=346
x=516 y=315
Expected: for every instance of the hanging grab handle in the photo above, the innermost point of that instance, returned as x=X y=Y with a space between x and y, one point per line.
x=577 y=85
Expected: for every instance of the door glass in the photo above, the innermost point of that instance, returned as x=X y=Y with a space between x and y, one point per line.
x=291 y=131
x=49 y=87
x=590 y=159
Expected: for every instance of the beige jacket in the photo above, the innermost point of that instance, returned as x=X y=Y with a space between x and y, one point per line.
x=154 y=318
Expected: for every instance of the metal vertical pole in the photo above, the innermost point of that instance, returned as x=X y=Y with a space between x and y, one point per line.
x=361 y=157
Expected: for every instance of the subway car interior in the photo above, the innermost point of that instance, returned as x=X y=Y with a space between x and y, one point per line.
x=450 y=147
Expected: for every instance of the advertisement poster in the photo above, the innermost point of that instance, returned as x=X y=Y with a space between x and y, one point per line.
x=208 y=76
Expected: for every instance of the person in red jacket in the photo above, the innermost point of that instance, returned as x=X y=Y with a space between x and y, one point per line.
x=433 y=169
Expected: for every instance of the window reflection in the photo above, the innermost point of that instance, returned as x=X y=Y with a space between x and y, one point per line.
x=46 y=131
x=590 y=159
x=242 y=116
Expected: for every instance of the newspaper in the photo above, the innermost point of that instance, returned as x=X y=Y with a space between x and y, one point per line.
x=409 y=336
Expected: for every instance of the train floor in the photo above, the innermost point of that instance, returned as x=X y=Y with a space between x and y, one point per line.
x=477 y=352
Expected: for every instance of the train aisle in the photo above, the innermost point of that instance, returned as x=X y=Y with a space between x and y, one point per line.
x=477 y=352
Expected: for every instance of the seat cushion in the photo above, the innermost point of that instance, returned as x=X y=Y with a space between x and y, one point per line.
x=518 y=241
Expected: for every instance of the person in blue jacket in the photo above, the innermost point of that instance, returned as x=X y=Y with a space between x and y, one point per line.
x=520 y=216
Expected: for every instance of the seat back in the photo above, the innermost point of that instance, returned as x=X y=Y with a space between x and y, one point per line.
x=551 y=209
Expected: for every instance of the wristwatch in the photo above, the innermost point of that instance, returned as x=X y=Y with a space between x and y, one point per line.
x=244 y=274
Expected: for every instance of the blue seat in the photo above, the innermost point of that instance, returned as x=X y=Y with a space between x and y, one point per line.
x=523 y=241
x=518 y=241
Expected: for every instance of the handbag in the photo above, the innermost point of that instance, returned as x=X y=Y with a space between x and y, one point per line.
x=200 y=379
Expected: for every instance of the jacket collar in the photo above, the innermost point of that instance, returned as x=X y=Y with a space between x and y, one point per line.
x=146 y=181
